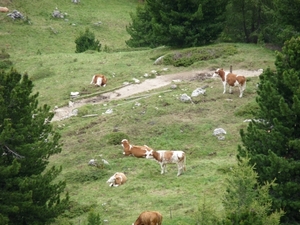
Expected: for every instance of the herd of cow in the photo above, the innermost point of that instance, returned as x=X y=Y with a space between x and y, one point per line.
x=163 y=157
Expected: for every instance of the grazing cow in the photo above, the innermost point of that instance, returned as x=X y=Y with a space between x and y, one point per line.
x=164 y=157
x=135 y=150
x=4 y=9
x=149 y=218
x=117 y=179
x=99 y=80
x=232 y=80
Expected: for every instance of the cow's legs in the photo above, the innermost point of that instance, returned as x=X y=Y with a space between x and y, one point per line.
x=92 y=79
x=163 y=168
x=179 y=170
x=224 y=85
x=241 y=91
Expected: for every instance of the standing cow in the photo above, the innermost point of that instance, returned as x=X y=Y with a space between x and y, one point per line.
x=232 y=80
x=164 y=157
x=149 y=218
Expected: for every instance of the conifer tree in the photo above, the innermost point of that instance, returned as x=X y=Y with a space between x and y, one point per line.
x=28 y=191
x=272 y=141
x=245 y=201
x=177 y=23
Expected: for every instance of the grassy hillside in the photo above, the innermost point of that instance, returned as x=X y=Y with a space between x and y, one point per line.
x=45 y=49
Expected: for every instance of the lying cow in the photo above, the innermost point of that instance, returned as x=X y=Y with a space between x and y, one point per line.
x=149 y=218
x=4 y=9
x=135 y=150
x=99 y=80
x=117 y=179
x=164 y=157
x=232 y=80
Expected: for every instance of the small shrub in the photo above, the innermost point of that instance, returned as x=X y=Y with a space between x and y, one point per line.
x=4 y=54
x=86 y=41
x=249 y=110
x=5 y=64
x=94 y=218
x=42 y=73
x=115 y=138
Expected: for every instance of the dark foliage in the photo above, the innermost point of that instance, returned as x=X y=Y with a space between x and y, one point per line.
x=28 y=194
x=86 y=41
x=273 y=144
x=177 y=23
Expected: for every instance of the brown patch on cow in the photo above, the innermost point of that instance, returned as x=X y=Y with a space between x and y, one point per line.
x=168 y=154
x=221 y=73
x=241 y=79
x=231 y=78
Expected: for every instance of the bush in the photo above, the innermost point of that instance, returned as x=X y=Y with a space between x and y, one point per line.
x=5 y=63
x=189 y=56
x=86 y=41
x=115 y=138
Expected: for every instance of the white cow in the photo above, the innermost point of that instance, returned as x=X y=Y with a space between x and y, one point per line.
x=164 y=157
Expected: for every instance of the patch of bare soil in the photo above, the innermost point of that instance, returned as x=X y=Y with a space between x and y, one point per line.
x=147 y=85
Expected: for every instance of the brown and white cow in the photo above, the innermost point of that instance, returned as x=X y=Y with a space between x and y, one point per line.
x=117 y=179
x=99 y=80
x=232 y=80
x=164 y=157
x=149 y=218
x=4 y=9
x=135 y=150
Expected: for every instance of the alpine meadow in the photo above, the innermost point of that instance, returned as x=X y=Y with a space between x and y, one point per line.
x=81 y=152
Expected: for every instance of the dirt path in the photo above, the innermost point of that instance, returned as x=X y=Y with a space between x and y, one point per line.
x=132 y=89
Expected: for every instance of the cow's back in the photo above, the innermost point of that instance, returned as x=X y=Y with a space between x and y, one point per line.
x=149 y=218
x=233 y=79
x=171 y=156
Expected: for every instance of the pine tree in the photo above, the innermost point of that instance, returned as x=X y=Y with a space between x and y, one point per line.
x=177 y=23
x=273 y=141
x=245 y=201
x=140 y=29
x=86 y=41
x=28 y=193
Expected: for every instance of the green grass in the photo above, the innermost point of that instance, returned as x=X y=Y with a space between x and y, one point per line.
x=160 y=122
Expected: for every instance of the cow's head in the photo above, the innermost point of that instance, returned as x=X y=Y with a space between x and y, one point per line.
x=111 y=180
x=216 y=73
x=149 y=154
x=126 y=147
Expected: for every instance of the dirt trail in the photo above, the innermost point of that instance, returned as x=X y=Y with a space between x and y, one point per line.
x=132 y=89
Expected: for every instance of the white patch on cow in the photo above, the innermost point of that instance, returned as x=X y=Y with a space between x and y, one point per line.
x=99 y=81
